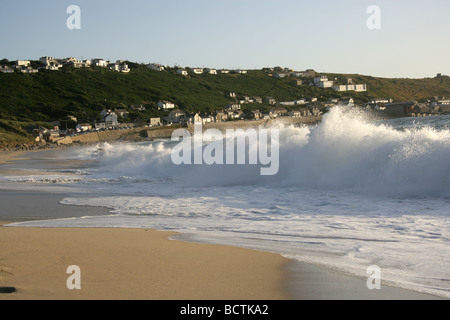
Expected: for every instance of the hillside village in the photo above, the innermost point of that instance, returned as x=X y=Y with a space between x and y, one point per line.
x=242 y=108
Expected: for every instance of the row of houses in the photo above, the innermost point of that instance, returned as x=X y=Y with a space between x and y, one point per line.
x=178 y=116
x=310 y=73
x=320 y=81
x=54 y=64
x=323 y=82
x=23 y=66
x=51 y=63
x=185 y=71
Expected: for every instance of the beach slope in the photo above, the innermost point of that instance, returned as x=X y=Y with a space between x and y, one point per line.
x=132 y=264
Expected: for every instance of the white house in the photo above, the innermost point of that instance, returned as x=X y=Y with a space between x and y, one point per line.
x=119 y=66
x=105 y=113
x=6 y=69
x=198 y=119
x=86 y=63
x=72 y=62
x=155 y=122
x=211 y=71
x=233 y=106
x=83 y=127
x=100 y=63
x=124 y=68
x=322 y=82
x=23 y=63
x=51 y=63
x=197 y=70
x=224 y=71
x=53 y=67
x=270 y=100
x=29 y=70
x=239 y=71
x=114 y=67
x=111 y=120
x=443 y=102
x=165 y=105
x=351 y=87
x=182 y=72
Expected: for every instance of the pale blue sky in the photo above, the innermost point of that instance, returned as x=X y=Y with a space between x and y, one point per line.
x=326 y=35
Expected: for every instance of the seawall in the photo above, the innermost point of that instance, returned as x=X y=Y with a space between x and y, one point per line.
x=166 y=133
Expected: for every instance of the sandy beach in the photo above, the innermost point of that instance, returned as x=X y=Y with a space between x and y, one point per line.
x=119 y=263
x=132 y=264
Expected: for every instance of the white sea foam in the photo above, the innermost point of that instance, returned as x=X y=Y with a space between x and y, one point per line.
x=350 y=192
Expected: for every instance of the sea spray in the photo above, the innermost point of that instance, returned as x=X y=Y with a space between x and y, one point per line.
x=237 y=147
x=346 y=150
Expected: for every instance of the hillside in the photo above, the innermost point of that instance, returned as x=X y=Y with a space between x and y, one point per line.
x=84 y=93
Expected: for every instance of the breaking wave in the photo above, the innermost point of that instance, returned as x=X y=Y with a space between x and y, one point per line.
x=346 y=150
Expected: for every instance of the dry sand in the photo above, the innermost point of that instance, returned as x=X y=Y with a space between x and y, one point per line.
x=132 y=264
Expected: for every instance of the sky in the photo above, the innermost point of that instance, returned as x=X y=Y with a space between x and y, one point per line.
x=413 y=40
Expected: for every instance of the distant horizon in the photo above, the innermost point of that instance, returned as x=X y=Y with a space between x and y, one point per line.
x=400 y=40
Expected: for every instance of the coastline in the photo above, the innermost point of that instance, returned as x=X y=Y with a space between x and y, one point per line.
x=206 y=271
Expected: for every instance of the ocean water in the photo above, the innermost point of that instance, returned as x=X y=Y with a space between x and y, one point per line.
x=351 y=192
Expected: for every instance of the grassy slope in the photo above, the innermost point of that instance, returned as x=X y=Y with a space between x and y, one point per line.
x=50 y=95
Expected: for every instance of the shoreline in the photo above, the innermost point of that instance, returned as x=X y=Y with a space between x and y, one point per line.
x=293 y=280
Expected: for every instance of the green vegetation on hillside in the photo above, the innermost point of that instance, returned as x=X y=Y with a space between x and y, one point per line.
x=84 y=93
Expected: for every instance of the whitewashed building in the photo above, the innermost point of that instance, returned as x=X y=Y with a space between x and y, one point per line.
x=165 y=105
x=119 y=66
x=6 y=69
x=83 y=127
x=211 y=71
x=29 y=70
x=323 y=82
x=111 y=120
x=99 y=63
x=23 y=63
x=351 y=87
x=197 y=70
x=155 y=122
